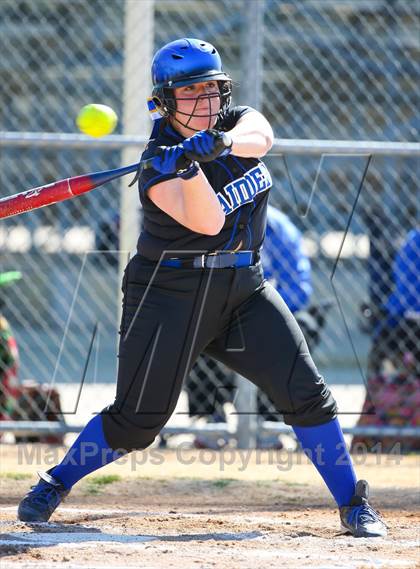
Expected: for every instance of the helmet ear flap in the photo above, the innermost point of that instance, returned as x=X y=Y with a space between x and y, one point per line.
x=159 y=105
x=165 y=101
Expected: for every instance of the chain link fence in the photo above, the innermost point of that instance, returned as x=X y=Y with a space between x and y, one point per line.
x=317 y=70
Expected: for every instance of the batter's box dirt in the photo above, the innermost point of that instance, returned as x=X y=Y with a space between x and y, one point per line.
x=184 y=523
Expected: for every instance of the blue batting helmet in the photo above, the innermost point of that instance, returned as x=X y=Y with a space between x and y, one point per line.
x=186 y=61
x=183 y=62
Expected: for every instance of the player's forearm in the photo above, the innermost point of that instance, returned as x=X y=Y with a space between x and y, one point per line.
x=253 y=145
x=202 y=210
x=252 y=136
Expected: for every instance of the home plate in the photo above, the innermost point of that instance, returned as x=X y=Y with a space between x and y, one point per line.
x=61 y=538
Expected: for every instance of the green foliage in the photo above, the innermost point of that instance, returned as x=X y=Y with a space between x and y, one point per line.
x=223 y=482
x=96 y=484
x=104 y=480
x=15 y=475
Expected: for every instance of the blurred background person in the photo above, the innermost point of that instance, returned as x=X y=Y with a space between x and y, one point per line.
x=393 y=384
x=26 y=400
x=9 y=355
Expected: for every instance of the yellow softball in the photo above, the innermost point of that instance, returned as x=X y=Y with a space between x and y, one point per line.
x=96 y=120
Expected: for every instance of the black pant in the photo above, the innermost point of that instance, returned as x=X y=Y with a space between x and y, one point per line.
x=172 y=315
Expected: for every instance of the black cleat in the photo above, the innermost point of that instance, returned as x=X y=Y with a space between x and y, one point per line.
x=359 y=518
x=41 y=501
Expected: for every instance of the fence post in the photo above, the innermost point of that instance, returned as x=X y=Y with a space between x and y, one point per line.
x=246 y=407
x=138 y=52
x=252 y=46
x=251 y=94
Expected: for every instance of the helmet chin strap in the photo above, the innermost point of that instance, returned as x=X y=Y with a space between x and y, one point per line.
x=192 y=115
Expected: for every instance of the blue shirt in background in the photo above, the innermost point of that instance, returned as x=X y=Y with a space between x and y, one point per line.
x=405 y=297
x=285 y=264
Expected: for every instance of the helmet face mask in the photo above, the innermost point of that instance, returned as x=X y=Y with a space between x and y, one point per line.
x=168 y=105
x=186 y=62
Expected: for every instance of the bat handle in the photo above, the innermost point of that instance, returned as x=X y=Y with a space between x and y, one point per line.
x=148 y=163
x=142 y=165
x=227 y=140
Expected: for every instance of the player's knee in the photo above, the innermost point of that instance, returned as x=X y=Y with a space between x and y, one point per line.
x=131 y=431
x=316 y=408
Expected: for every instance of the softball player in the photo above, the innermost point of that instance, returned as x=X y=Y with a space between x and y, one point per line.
x=196 y=285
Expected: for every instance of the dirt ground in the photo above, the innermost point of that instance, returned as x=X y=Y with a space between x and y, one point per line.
x=204 y=509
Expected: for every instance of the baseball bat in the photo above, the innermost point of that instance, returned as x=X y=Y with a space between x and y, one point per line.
x=68 y=188
x=60 y=191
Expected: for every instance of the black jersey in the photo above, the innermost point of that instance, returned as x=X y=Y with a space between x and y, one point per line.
x=241 y=184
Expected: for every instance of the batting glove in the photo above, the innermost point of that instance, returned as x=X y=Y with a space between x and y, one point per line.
x=207 y=145
x=172 y=159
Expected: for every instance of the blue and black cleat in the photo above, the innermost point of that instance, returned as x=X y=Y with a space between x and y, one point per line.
x=43 y=498
x=359 y=518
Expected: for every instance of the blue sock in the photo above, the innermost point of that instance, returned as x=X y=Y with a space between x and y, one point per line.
x=89 y=452
x=325 y=446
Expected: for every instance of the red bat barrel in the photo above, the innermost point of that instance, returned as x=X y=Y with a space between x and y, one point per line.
x=59 y=191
